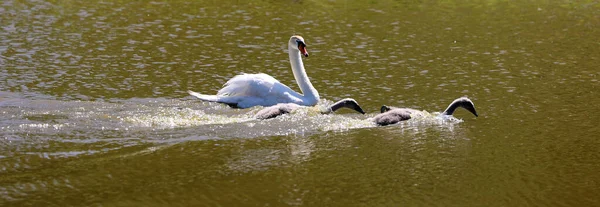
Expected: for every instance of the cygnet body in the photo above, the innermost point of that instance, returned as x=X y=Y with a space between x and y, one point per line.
x=392 y=115
x=285 y=108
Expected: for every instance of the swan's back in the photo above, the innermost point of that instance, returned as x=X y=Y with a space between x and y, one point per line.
x=276 y=110
x=394 y=115
x=249 y=90
x=248 y=85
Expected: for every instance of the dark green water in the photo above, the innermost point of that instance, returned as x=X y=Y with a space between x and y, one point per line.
x=94 y=109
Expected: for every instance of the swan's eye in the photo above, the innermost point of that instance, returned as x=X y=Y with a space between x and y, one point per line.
x=300 y=43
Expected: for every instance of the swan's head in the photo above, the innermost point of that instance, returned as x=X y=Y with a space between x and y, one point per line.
x=346 y=103
x=385 y=108
x=297 y=42
x=352 y=104
x=467 y=104
x=462 y=102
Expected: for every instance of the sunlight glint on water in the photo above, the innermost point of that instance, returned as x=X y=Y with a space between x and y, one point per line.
x=94 y=109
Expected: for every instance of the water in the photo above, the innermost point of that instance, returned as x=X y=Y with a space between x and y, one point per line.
x=94 y=109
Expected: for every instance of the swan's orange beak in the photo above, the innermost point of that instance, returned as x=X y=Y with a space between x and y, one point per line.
x=303 y=51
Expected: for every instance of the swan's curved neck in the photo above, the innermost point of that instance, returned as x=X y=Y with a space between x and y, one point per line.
x=451 y=108
x=310 y=94
x=346 y=103
x=464 y=103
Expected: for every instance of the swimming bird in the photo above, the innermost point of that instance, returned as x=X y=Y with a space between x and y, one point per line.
x=392 y=115
x=284 y=108
x=248 y=90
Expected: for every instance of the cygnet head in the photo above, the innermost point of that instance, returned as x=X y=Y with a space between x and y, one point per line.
x=345 y=103
x=297 y=42
x=385 y=108
x=351 y=104
x=462 y=102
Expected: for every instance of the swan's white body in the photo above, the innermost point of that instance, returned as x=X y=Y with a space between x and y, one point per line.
x=248 y=90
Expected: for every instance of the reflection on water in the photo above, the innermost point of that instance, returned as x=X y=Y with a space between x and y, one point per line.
x=94 y=109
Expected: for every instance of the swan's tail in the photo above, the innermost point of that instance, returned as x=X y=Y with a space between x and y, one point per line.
x=231 y=101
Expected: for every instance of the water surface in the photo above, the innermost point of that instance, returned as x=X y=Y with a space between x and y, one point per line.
x=94 y=109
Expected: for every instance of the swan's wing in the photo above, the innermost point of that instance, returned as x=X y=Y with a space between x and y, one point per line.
x=257 y=85
x=247 y=90
x=267 y=89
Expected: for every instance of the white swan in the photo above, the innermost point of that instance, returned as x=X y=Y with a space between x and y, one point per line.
x=247 y=90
